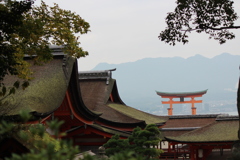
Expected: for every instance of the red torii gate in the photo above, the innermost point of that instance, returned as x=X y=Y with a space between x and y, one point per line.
x=181 y=95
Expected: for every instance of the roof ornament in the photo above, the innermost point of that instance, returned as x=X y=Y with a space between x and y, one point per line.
x=99 y=74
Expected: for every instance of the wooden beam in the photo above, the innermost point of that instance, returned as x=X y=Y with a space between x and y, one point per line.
x=178 y=102
x=182 y=96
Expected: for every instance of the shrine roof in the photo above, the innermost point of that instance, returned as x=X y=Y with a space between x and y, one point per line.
x=180 y=124
x=183 y=121
x=111 y=130
x=224 y=129
x=96 y=94
x=100 y=74
x=137 y=114
x=101 y=128
x=47 y=88
x=181 y=94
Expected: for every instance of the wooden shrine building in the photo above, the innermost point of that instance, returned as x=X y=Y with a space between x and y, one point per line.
x=88 y=102
x=92 y=110
x=181 y=96
x=212 y=141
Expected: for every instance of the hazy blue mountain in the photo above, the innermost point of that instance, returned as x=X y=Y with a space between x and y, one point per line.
x=138 y=81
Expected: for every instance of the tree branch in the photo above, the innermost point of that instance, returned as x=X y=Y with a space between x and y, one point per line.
x=212 y=28
x=221 y=28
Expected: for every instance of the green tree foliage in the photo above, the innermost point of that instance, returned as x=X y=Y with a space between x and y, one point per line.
x=34 y=136
x=116 y=145
x=142 y=142
x=126 y=156
x=11 y=18
x=44 y=147
x=26 y=29
x=214 y=17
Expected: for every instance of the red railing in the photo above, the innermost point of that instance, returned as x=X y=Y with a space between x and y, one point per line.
x=175 y=154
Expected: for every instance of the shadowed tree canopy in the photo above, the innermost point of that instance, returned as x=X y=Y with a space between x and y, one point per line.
x=142 y=142
x=26 y=29
x=214 y=17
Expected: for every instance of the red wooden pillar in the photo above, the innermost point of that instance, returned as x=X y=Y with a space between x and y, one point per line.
x=170 y=109
x=194 y=112
x=192 y=154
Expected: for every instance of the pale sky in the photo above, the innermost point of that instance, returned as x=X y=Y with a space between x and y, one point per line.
x=127 y=30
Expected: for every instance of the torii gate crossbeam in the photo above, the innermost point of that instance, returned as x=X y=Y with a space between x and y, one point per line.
x=181 y=95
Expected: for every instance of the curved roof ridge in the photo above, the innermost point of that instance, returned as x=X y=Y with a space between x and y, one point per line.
x=194 y=116
x=213 y=132
x=140 y=120
x=97 y=74
x=76 y=95
x=161 y=93
x=115 y=93
x=179 y=129
x=114 y=124
x=150 y=119
x=47 y=90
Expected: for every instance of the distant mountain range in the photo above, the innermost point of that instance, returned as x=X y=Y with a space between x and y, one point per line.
x=138 y=81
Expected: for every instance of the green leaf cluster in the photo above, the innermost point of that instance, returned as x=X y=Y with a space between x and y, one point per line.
x=11 y=19
x=43 y=146
x=26 y=29
x=116 y=145
x=141 y=142
x=126 y=156
x=34 y=136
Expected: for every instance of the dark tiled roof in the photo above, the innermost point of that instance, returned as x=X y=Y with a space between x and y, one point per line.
x=137 y=114
x=103 y=75
x=47 y=90
x=194 y=116
x=181 y=124
x=226 y=117
x=173 y=133
x=101 y=128
x=218 y=131
x=189 y=121
x=96 y=92
x=110 y=130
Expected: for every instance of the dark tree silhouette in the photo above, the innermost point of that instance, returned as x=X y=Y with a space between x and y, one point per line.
x=214 y=17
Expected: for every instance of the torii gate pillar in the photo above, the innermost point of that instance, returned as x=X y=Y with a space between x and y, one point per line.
x=181 y=95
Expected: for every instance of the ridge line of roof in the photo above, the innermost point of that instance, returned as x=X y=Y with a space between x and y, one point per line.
x=140 y=120
x=172 y=139
x=194 y=116
x=179 y=129
x=161 y=93
x=226 y=117
x=97 y=74
x=95 y=124
x=55 y=51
